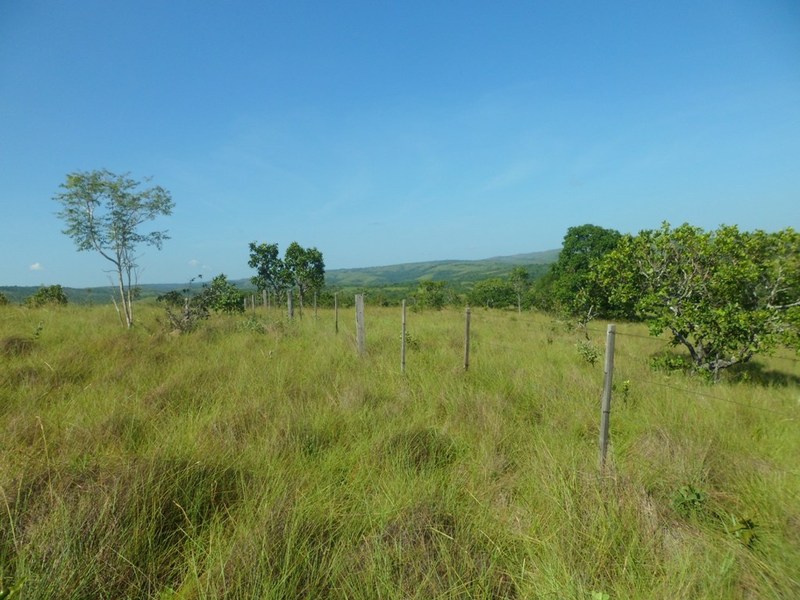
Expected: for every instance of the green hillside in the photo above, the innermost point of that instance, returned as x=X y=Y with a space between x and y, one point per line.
x=457 y=272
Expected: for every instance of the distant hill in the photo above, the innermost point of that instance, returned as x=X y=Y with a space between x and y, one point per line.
x=461 y=271
x=454 y=271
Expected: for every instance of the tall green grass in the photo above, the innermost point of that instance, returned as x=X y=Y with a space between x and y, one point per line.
x=261 y=458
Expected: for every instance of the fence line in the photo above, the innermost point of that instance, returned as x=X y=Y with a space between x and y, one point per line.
x=606 y=397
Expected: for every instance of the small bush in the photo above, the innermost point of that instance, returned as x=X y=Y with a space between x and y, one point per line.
x=51 y=294
x=588 y=352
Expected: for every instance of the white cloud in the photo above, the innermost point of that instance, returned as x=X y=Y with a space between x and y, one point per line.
x=194 y=263
x=36 y=267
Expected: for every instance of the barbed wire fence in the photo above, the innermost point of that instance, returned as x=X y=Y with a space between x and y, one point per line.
x=550 y=332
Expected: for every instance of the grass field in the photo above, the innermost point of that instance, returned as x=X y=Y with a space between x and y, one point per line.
x=260 y=458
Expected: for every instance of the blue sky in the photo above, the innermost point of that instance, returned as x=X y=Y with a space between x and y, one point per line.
x=390 y=132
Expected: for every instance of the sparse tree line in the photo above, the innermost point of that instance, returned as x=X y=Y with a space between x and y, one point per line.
x=724 y=295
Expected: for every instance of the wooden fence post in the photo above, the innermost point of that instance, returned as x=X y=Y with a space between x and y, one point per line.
x=336 y=311
x=605 y=411
x=264 y=298
x=466 y=340
x=403 y=341
x=360 y=328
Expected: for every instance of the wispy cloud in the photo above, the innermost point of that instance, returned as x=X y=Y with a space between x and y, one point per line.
x=37 y=266
x=194 y=263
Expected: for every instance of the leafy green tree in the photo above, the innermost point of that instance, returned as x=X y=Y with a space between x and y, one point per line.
x=492 y=293
x=270 y=269
x=724 y=295
x=305 y=269
x=103 y=212
x=431 y=294
x=223 y=296
x=520 y=281
x=572 y=287
x=50 y=294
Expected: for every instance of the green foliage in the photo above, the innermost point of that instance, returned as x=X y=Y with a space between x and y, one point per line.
x=688 y=501
x=430 y=294
x=588 y=351
x=412 y=342
x=492 y=293
x=13 y=591
x=571 y=287
x=270 y=269
x=48 y=295
x=252 y=324
x=669 y=361
x=305 y=269
x=724 y=295
x=172 y=298
x=223 y=296
x=743 y=529
x=520 y=281
x=103 y=212
x=301 y=268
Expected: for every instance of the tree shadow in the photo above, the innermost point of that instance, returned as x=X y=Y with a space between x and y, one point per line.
x=759 y=374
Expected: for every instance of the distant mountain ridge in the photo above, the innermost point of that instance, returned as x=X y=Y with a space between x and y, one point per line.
x=441 y=270
x=456 y=271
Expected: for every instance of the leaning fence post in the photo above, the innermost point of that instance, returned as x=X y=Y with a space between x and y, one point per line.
x=403 y=341
x=605 y=411
x=466 y=340
x=360 y=329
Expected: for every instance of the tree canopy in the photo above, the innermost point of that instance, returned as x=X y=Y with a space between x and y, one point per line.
x=305 y=269
x=103 y=212
x=301 y=268
x=571 y=285
x=270 y=269
x=725 y=295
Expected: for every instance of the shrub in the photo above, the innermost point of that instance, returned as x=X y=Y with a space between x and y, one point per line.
x=51 y=294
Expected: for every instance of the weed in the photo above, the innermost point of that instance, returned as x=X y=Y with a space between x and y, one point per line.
x=623 y=388
x=743 y=529
x=588 y=351
x=688 y=501
x=251 y=324
x=669 y=362
x=412 y=343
